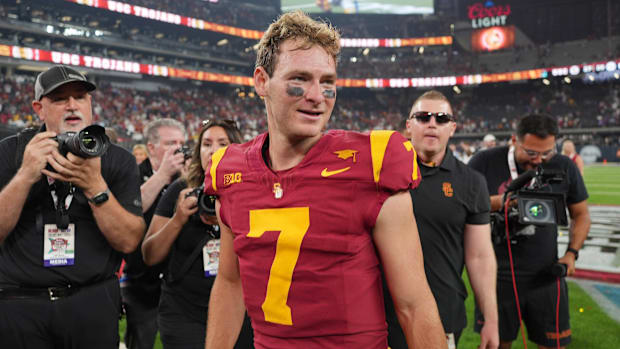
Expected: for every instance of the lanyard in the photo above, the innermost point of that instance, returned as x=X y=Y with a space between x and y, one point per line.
x=61 y=192
x=512 y=165
x=68 y=195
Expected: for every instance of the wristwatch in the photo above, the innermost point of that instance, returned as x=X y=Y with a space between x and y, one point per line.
x=100 y=198
x=575 y=252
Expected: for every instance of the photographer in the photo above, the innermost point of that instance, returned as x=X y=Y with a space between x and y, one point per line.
x=177 y=232
x=57 y=285
x=535 y=254
x=141 y=285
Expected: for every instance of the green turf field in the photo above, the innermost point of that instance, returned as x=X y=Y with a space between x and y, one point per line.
x=591 y=327
x=603 y=184
x=362 y=6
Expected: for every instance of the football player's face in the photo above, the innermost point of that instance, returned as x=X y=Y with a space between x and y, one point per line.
x=430 y=138
x=212 y=139
x=301 y=94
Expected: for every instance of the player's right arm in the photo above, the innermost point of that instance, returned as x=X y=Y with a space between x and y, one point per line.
x=13 y=195
x=226 y=306
x=398 y=243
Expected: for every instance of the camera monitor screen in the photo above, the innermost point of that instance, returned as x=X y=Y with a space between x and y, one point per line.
x=538 y=211
x=541 y=208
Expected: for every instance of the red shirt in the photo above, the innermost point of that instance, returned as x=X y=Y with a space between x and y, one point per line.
x=307 y=261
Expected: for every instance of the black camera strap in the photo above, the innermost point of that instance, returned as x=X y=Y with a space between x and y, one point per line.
x=211 y=231
x=174 y=277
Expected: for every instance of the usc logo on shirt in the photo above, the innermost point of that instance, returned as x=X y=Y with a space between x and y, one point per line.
x=447 y=189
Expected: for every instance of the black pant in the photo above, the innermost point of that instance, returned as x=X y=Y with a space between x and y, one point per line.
x=182 y=325
x=85 y=319
x=141 y=315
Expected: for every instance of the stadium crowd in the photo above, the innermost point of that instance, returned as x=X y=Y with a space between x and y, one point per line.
x=480 y=109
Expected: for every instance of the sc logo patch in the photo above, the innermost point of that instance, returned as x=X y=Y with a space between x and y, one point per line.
x=447 y=189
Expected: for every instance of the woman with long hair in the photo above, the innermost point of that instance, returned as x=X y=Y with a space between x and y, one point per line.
x=189 y=241
x=568 y=149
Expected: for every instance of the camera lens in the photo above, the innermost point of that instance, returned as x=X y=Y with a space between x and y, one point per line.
x=88 y=141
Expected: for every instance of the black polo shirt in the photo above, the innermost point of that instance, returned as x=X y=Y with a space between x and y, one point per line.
x=450 y=196
x=533 y=256
x=193 y=286
x=21 y=254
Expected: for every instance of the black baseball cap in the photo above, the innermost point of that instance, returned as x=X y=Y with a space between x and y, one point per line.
x=57 y=76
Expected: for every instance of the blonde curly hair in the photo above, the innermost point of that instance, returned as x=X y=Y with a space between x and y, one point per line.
x=299 y=26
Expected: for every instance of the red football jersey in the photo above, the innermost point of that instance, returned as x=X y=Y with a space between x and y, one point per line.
x=308 y=265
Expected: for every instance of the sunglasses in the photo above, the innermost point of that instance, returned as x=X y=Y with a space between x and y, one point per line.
x=425 y=116
x=215 y=122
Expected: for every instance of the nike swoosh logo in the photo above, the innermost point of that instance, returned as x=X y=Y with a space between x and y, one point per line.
x=326 y=173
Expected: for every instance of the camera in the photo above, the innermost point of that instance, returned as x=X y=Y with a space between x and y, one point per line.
x=187 y=152
x=206 y=203
x=90 y=142
x=536 y=206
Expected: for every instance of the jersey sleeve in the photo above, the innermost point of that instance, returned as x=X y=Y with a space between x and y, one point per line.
x=394 y=162
x=214 y=183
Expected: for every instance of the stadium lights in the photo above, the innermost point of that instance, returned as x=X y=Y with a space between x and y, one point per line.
x=353 y=59
x=222 y=42
x=159 y=35
x=421 y=50
x=616 y=75
x=567 y=80
x=456 y=89
x=366 y=51
x=591 y=77
x=49 y=29
x=546 y=82
x=393 y=58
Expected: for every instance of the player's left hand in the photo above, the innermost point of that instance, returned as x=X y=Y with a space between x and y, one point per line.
x=489 y=336
x=83 y=173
